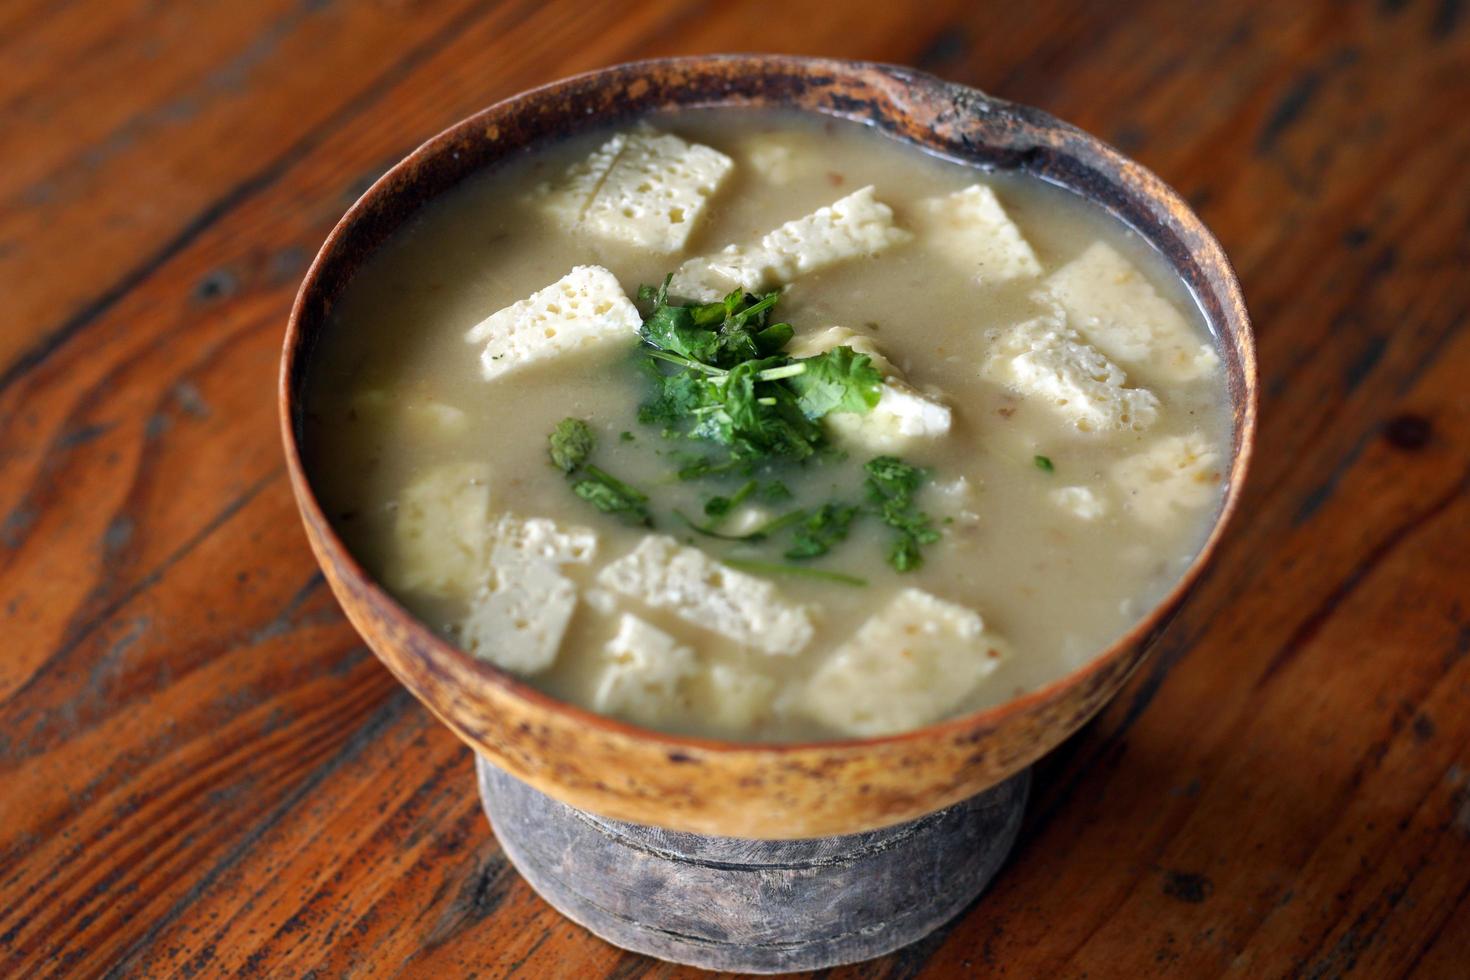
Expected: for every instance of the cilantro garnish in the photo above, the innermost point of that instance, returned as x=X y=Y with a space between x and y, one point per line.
x=838 y=380
x=570 y=444
x=775 y=491
x=697 y=467
x=891 y=486
x=1044 y=464
x=612 y=496
x=823 y=529
x=720 y=334
x=720 y=506
x=731 y=386
x=720 y=378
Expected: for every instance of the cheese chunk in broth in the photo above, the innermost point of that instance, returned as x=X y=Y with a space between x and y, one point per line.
x=1007 y=429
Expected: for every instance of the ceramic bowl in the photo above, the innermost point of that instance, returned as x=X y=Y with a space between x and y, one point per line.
x=770 y=791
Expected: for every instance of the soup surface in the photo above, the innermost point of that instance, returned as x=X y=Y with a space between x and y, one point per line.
x=1019 y=450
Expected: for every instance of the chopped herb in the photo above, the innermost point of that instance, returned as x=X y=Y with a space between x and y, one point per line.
x=570 y=444
x=696 y=466
x=719 y=376
x=678 y=395
x=731 y=386
x=612 y=496
x=776 y=524
x=838 y=380
x=722 y=334
x=904 y=555
x=891 y=485
x=823 y=529
x=1044 y=464
x=803 y=571
x=720 y=506
x=775 y=491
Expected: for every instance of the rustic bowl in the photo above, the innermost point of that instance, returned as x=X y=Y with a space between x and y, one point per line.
x=770 y=791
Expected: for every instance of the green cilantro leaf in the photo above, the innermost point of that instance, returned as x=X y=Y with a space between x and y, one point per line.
x=892 y=478
x=677 y=397
x=1044 y=464
x=904 y=555
x=612 y=496
x=719 y=334
x=775 y=491
x=823 y=529
x=672 y=328
x=721 y=506
x=838 y=380
x=569 y=444
x=891 y=485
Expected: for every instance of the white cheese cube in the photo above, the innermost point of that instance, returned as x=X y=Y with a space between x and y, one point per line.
x=1111 y=304
x=856 y=225
x=567 y=198
x=733 y=698
x=970 y=229
x=646 y=189
x=600 y=600
x=912 y=663
x=440 y=532
x=1043 y=358
x=685 y=581
x=518 y=618
x=543 y=538
x=644 y=668
x=582 y=308
x=1176 y=475
x=656 y=192
x=777 y=164
x=775 y=160
x=902 y=414
x=1081 y=502
x=954 y=499
x=413 y=415
x=708 y=278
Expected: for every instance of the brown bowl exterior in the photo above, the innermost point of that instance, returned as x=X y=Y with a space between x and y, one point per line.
x=781 y=791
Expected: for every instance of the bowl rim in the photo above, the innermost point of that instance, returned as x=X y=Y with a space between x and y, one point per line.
x=1140 y=634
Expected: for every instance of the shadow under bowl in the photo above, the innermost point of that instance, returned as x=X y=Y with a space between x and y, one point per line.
x=765 y=791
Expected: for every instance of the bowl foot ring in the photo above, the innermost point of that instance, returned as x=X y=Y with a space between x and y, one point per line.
x=725 y=903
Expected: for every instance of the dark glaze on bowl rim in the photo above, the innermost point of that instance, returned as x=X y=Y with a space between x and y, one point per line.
x=759 y=790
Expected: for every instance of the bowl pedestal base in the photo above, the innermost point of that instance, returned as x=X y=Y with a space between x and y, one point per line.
x=724 y=903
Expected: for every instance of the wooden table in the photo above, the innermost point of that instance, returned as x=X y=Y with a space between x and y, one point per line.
x=203 y=771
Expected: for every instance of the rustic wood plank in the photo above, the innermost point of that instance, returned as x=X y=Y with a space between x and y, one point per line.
x=1448 y=950
x=135 y=181
x=57 y=123
x=105 y=402
x=205 y=772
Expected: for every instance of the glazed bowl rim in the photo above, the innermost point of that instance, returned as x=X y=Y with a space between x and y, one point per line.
x=1244 y=408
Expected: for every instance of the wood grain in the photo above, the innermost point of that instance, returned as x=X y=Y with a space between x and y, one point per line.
x=204 y=771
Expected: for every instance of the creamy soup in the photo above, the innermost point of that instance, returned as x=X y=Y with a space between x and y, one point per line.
x=991 y=438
